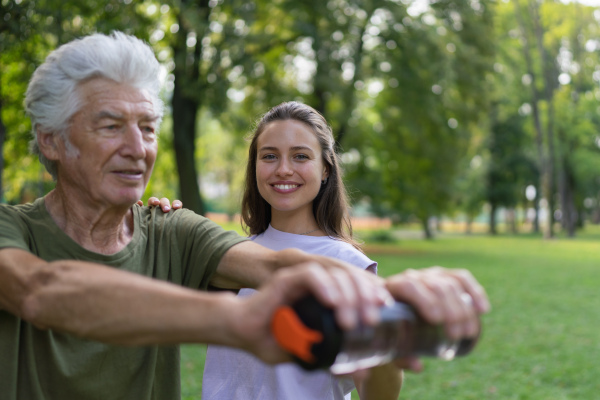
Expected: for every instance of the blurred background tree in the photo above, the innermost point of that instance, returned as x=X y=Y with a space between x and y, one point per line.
x=441 y=109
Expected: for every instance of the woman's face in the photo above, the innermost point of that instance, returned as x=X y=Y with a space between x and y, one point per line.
x=289 y=166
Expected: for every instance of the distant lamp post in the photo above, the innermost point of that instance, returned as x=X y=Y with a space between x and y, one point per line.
x=530 y=192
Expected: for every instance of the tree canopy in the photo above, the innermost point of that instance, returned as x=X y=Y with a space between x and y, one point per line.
x=437 y=106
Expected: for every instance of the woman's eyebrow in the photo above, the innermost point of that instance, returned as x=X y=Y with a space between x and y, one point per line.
x=293 y=148
x=268 y=148
x=296 y=148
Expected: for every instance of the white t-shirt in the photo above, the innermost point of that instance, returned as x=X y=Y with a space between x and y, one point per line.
x=231 y=374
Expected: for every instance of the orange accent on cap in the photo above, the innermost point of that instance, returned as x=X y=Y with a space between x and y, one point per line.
x=292 y=335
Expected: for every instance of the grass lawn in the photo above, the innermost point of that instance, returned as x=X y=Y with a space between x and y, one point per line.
x=542 y=338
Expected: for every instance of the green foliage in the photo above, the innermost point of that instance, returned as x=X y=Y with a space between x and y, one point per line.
x=225 y=154
x=414 y=133
x=469 y=186
x=509 y=170
x=414 y=95
x=545 y=71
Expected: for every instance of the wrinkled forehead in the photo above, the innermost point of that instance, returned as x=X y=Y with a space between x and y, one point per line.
x=100 y=96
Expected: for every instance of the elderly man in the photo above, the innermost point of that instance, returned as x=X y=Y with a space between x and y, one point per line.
x=96 y=292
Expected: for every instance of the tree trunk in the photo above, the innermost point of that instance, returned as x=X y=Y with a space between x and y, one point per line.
x=567 y=200
x=493 y=230
x=572 y=215
x=550 y=172
x=469 y=225
x=426 y=228
x=511 y=216
x=2 y=139
x=536 y=206
x=185 y=105
x=184 y=141
x=579 y=224
x=321 y=78
x=544 y=163
x=550 y=81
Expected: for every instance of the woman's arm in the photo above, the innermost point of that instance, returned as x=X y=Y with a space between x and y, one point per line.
x=380 y=383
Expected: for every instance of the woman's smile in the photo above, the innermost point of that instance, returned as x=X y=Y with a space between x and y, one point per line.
x=285 y=187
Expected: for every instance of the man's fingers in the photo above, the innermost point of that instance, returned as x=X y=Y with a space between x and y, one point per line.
x=347 y=309
x=371 y=295
x=364 y=291
x=293 y=283
x=332 y=287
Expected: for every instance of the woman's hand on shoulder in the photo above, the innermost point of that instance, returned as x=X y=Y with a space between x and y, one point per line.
x=164 y=203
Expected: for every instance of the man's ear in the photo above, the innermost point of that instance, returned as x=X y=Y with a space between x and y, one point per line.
x=48 y=144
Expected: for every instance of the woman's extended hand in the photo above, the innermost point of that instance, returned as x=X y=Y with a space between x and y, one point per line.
x=451 y=297
x=164 y=203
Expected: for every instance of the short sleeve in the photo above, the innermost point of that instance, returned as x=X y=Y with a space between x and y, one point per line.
x=13 y=230
x=202 y=243
x=348 y=253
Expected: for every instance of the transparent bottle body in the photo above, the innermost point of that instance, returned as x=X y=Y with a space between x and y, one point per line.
x=400 y=333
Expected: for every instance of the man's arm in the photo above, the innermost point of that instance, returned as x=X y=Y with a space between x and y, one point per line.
x=101 y=303
x=104 y=304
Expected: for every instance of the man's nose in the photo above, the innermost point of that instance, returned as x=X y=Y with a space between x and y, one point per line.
x=133 y=145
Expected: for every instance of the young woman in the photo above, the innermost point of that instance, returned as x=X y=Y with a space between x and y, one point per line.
x=294 y=197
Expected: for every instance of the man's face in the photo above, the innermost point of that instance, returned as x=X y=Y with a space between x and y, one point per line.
x=113 y=144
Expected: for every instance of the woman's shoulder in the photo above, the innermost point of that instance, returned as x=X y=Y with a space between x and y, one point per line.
x=337 y=248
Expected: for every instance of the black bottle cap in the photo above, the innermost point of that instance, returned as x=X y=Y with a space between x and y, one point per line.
x=315 y=318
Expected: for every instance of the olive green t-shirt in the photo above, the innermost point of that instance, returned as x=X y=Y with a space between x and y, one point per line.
x=180 y=247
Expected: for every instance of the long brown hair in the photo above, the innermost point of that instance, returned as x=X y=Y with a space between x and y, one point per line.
x=330 y=207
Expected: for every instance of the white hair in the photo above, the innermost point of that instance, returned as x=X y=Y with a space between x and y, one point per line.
x=52 y=98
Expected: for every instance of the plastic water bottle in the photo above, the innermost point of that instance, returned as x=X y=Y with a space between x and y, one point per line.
x=308 y=331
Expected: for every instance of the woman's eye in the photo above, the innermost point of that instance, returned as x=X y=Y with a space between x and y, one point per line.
x=301 y=156
x=268 y=157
